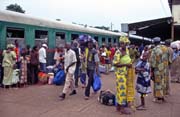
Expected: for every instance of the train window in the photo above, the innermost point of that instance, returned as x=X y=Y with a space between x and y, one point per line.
x=114 y=40
x=74 y=36
x=109 y=40
x=41 y=37
x=60 y=39
x=96 y=38
x=103 y=40
x=15 y=34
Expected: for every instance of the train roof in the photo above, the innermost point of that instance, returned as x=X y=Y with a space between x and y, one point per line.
x=21 y=18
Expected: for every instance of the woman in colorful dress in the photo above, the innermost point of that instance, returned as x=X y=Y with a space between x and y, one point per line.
x=23 y=79
x=130 y=75
x=122 y=62
x=160 y=62
x=175 y=74
x=9 y=60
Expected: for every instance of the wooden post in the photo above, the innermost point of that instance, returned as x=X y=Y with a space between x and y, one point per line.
x=172 y=30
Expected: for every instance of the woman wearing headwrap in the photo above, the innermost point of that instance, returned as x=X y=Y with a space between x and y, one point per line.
x=160 y=61
x=130 y=75
x=175 y=75
x=124 y=84
x=9 y=60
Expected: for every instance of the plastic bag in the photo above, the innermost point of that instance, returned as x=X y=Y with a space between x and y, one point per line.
x=15 y=77
x=59 y=78
x=97 y=83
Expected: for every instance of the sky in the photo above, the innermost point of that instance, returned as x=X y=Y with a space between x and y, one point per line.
x=94 y=12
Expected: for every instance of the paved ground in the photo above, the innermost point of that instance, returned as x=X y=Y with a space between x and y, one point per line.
x=42 y=101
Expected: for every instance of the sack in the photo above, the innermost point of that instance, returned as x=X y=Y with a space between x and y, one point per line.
x=83 y=78
x=112 y=69
x=102 y=69
x=15 y=76
x=59 y=78
x=107 y=98
x=42 y=77
x=49 y=69
x=97 y=83
x=51 y=77
x=57 y=68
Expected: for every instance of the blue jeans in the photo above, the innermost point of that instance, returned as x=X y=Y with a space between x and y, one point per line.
x=90 y=74
x=43 y=67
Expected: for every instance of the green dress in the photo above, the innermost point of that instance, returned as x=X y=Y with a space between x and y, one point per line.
x=8 y=63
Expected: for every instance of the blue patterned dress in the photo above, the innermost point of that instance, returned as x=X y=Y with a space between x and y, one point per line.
x=143 y=85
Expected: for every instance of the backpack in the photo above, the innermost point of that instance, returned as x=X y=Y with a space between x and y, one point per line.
x=107 y=98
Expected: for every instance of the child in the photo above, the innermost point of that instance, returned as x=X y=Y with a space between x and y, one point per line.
x=143 y=79
x=23 y=77
x=83 y=69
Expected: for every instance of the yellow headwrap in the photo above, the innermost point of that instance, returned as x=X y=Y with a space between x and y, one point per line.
x=124 y=39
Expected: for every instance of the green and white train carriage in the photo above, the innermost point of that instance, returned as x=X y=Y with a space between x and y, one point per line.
x=30 y=31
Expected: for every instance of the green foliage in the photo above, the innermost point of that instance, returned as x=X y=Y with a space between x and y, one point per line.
x=102 y=27
x=15 y=7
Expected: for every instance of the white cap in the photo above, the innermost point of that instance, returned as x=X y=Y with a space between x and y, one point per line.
x=44 y=45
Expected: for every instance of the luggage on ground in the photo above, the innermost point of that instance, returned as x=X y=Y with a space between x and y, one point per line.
x=107 y=98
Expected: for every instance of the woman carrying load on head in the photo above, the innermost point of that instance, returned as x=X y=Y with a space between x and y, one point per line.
x=124 y=84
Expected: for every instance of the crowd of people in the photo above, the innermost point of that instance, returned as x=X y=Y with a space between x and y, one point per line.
x=155 y=62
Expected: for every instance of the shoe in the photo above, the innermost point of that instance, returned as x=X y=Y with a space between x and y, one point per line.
x=83 y=86
x=141 y=107
x=73 y=92
x=86 y=98
x=62 y=97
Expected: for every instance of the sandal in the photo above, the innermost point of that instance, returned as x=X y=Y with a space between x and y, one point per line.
x=138 y=106
x=125 y=111
x=141 y=108
x=86 y=98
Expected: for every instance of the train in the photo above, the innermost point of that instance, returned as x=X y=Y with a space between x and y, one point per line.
x=29 y=30
x=32 y=31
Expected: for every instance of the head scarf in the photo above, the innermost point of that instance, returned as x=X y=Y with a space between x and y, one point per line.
x=10 y=46
x=124 y=39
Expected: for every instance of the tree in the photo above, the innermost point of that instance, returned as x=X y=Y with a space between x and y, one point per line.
x=58 y=19
x=115 y=30
x=15 y=7
x=102 y=27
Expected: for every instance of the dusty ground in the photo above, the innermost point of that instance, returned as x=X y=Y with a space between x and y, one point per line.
x=43 y=101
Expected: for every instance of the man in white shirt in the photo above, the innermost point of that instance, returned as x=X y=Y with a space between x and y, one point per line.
x=42 y=57
x=69 y=67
